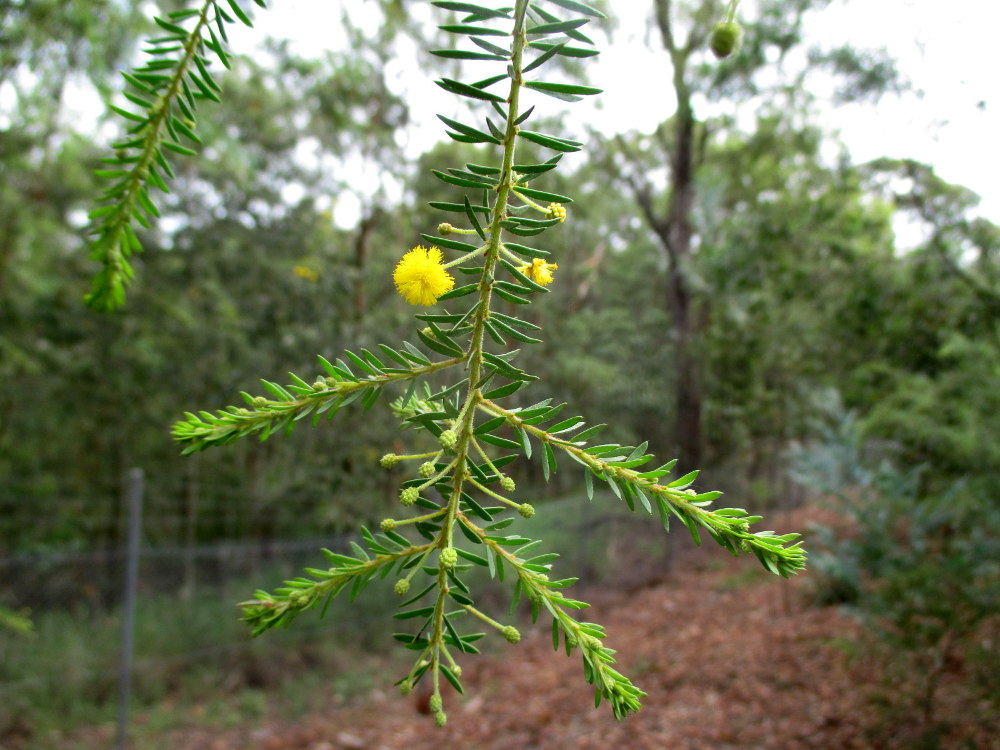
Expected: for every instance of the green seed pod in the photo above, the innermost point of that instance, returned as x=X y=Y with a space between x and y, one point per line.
x=725 y=38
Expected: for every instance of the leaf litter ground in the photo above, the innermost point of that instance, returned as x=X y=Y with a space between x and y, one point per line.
x=731 y=658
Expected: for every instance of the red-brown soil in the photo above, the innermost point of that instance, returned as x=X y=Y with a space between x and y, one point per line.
x=731 y=658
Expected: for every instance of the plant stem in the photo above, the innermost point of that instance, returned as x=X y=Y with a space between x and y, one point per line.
x=474 y=354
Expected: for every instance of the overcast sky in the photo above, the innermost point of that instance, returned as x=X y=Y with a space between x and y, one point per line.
x=947 y=49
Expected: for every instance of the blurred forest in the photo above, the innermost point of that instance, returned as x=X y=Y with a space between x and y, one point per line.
x=724 y=292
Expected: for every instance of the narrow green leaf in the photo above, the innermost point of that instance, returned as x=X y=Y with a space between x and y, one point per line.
x=464 y=89
x=239 y=13
x=578 y=7
x=461 y=54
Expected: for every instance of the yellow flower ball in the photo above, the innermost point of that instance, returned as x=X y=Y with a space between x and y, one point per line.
x=420 y=276
x=539 y=271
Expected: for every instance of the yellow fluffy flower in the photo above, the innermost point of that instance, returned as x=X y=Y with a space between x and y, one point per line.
x=420 y=276
x=539 y=271
x=557 y=211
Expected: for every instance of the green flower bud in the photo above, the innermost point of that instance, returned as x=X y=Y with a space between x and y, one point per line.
x=448 y=439
x=445 y=228
x=401 y=587
x=508 y=484
x=571 y=640
x=259 y=402
x=405 y=687
x=388 y=524
x=448 y=558
x=409 y=496
x=440 y=718
x=298 y=598
x=511 y=633
x=427 y=469
x=436 y=704
x=457 y=670
x=389 y=460
x=319 y=385
x=331 y=381
x=725 y=37
x=526 y=510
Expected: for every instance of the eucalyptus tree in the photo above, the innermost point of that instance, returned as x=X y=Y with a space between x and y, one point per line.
x=754 y=44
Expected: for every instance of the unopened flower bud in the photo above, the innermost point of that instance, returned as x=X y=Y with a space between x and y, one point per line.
x=436 y=703
x=440 y=718
x=448 y=439
x=427 y=469
x=457 y=670
x=445 y=228
x=512 y=634
x=401 y=587
x=319 y=385
x=725 y=37
x=526 y=510
x=259 y=401
x=508 y=484
x=409 y=496
x=405 y=687
x=448 y=558
x=388 y=524
x=557 y=211
x=389 y=460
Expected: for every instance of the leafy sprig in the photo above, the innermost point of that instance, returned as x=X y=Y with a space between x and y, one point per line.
x=166 y=91
x=462 y=498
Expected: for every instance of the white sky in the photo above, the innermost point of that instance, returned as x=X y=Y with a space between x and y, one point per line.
x=945 y=48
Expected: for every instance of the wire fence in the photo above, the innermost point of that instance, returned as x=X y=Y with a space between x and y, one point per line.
x=185 y=613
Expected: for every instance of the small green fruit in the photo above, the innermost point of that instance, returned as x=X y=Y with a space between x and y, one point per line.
x=725 y=38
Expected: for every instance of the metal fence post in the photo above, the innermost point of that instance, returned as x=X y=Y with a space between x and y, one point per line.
x=135 y=481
